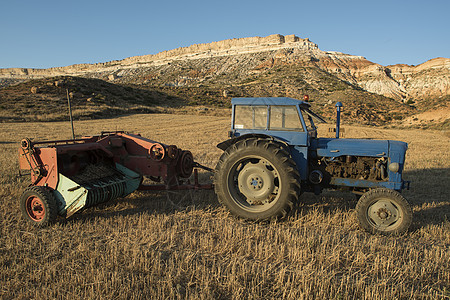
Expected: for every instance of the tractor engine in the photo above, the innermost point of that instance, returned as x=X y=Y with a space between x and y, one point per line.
x=354 y=167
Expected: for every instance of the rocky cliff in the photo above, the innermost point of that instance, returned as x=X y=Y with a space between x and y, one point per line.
x=401 y=82
x=245 y=58
x=197 y=51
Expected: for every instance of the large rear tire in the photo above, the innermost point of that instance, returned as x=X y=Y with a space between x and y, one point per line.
x=38 y=206
x=384 y=211
x=257 y=179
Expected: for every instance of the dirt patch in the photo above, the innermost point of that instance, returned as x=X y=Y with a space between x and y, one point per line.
x=432 y=118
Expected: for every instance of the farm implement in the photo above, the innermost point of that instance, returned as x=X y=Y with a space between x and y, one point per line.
x=273 y=155
x=70 y=175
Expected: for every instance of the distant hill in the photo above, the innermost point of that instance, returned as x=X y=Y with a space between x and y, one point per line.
x=46 y=99
x=210 y=74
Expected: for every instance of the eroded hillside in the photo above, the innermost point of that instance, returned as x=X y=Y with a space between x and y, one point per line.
x=210 y=74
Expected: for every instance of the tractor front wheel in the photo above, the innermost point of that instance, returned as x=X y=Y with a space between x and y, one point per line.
x=384 y=211
x=257 y=179
x=38 y=206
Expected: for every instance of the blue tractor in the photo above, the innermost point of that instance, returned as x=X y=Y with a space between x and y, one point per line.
x=273 y=155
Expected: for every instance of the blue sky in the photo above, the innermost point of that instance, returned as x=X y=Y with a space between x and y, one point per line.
x=42 y=34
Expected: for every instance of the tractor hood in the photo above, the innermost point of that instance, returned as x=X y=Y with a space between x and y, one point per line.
x=329 y=147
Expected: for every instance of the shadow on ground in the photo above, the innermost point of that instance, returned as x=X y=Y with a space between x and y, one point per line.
x=152 y=203
x=428 y=196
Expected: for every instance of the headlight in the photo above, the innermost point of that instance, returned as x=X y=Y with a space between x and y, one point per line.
x=393 y=167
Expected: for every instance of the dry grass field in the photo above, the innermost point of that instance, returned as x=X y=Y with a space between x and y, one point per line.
x=145 y=246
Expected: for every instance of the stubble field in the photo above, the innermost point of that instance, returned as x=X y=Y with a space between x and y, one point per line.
x=185 y=245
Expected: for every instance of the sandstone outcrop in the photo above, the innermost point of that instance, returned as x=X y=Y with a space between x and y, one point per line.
x=401 y=82
x=252 y=56
x=220 y=48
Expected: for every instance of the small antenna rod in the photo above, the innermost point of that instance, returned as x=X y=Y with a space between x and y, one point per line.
x=70 y=114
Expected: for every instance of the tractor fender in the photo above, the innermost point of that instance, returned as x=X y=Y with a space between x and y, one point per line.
x=225 y=144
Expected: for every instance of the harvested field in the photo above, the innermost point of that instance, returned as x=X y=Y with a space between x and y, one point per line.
x=185 y=245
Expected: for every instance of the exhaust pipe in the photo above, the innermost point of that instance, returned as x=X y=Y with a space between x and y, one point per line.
x=338 y=118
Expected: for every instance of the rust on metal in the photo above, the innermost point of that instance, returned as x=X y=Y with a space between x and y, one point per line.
x=93 y=169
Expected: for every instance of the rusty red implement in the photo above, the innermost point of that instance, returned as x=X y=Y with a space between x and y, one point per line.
x=69 y=175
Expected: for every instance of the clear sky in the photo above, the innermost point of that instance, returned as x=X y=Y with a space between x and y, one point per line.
x=42 y=34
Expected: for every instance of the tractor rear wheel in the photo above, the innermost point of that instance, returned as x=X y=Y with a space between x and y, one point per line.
x=38 y=206
x=384 y=211
x=257 y=179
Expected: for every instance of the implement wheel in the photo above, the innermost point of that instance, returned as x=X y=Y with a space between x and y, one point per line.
x=38 y=206
x=257 y=179
x=384 y=211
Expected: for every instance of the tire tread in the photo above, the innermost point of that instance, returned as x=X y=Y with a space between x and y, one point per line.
x=47 y=197
x=369 y=197
x=283 y=157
